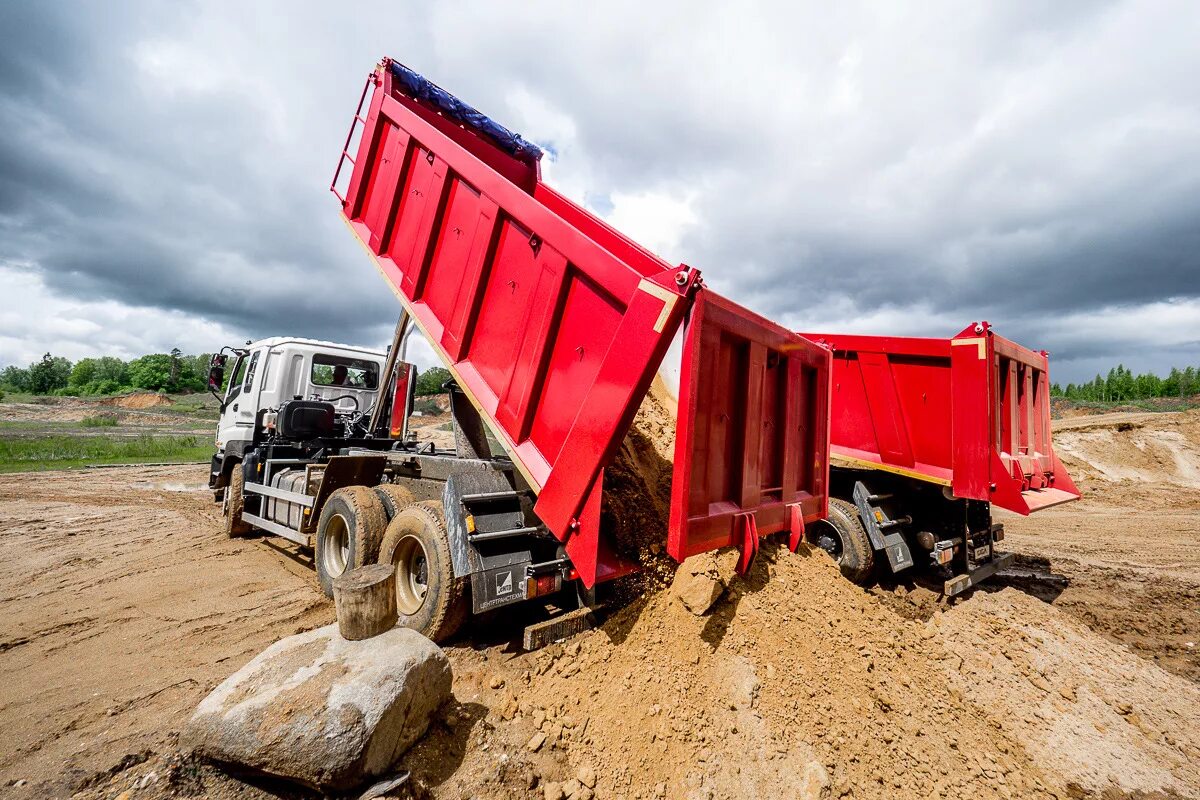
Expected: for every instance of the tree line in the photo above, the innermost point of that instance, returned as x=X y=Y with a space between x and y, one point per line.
x=157 y=372
x=1121 y=385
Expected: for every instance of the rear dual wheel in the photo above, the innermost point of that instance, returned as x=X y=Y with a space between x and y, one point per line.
x=842 y=535
x=429 y=599
x=348 y=533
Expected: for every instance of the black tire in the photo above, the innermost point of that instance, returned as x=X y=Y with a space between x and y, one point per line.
x=393 y=498
x=348 y=533
x=843 y=536
x=429 y=599
x=233 y=504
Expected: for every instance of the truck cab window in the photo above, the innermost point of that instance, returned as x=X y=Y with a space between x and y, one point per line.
x=250 y=371
x=352 y=373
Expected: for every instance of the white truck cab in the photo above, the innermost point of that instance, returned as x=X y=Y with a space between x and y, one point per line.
x=270 y=371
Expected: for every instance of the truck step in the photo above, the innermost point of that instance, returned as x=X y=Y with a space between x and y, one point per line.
x=564 y=626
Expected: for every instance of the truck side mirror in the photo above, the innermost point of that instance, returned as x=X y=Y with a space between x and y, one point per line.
x=216 y=372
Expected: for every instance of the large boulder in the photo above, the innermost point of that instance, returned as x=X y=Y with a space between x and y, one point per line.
x=324 y=711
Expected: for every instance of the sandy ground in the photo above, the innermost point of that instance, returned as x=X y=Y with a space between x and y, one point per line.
x=1073 y=676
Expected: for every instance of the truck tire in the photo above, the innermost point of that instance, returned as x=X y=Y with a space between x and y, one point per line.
x=233 y=503
x=429 y=599
x=349 y=530
x=844 y=538
x=393 y=498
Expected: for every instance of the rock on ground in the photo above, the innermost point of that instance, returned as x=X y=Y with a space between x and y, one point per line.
x=699 y=583
x=324 y=711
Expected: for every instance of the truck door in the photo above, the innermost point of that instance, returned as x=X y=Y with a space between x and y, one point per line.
x=228 y=429
x=246 y=405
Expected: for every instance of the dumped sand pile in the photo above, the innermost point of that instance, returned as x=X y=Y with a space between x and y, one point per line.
x=140 y=400
x=1147 y=448
x=637 y=488
x=798 y=679
x=1084 y=707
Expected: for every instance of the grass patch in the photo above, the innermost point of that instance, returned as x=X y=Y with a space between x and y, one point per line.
x=60 y=452
x=18 y=397
x=104 y=420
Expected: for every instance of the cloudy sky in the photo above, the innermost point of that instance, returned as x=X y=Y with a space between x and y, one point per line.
x=164 y=168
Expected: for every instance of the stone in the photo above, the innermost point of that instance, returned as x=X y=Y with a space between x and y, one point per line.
x=324 y=711
x=536 y=742
x=698 y=585
x=571 y=787
x=587 y=776
x=552 y=791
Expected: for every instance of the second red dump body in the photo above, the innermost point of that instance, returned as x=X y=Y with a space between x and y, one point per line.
x=971 y=412
x=554 y=324
x=926 y=436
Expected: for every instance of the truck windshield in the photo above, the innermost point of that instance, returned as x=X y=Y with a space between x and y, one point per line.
x=353 y=373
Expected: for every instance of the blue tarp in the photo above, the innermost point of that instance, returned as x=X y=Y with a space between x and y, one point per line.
x=421 y=88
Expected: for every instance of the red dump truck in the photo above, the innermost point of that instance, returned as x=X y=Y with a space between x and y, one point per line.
x=926 y=436
x=553 y=326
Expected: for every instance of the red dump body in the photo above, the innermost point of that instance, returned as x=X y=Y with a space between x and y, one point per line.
x=554 y=324
x=971 y=412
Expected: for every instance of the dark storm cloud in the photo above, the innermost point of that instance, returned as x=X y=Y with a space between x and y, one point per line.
x=1034 y=163
x=120 y=185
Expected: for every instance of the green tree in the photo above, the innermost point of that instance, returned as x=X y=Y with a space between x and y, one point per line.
x=113 y=370
x=176 y=366
x=431 y=381
x=151 y=372
x=49 y=374
x=83 y=373
x=15 y=379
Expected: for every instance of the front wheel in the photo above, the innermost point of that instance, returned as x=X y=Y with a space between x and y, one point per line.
x=429 y=599
x=233 y=504
x=844 y=538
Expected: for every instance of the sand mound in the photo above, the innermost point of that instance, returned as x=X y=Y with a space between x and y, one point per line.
x=1085 y=707
x=637 y=489
x=139 y=400
x=1147 y=448
x=797 y=679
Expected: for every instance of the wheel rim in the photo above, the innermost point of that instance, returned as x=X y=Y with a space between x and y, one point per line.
x=335 y=549
x=829 y=539
x=412 y=575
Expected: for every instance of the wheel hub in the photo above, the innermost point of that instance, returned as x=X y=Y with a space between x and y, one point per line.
x=828 y=540
x=336 y=552
x=412 y=575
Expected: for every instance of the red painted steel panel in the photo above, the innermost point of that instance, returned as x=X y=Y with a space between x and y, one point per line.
x=554 y=324
x=752 y=395
x=971 y=412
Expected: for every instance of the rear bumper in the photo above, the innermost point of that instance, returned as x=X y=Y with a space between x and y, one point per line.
x=960 y=583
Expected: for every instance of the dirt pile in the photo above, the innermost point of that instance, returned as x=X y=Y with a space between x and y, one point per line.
x=637 y=490
x=797 y=679
x=140 y=400
x=1084 y=707
x=1161 y=449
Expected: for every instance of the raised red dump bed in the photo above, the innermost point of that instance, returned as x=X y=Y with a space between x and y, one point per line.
x=971 y=412
x=554 y=324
